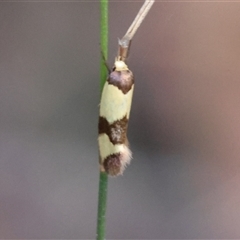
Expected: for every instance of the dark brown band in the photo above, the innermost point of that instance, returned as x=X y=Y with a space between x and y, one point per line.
x=123 y=80
x=117 y=131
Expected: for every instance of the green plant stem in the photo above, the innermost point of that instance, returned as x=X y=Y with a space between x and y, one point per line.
x=103 y=177
x=104 y=41
x=102 y=205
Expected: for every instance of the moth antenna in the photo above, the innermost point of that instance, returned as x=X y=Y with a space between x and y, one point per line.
x=138 y=19
x=124 y=43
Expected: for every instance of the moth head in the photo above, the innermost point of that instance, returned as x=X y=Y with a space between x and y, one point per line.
x=120 y=65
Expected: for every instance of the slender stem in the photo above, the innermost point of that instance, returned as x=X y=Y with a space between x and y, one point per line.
x=102 y=206
x=103 y=177
x=104 y=41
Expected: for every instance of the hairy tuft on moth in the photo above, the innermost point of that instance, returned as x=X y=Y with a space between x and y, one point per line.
x=115 y=108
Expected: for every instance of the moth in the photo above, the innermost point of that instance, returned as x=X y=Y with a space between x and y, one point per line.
x=115 y=105
x=115 y=108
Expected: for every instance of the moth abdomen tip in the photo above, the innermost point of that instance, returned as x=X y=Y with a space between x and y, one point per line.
x=116 y=163
x=112 y=164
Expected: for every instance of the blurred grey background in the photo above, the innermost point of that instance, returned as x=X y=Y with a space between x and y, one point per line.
x=184 y=130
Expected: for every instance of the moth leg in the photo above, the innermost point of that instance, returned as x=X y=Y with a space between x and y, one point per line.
x=106 y=63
